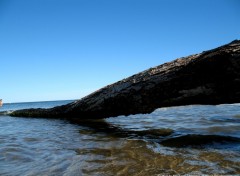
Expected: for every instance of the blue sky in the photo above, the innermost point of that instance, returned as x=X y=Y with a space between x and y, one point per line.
x=65 y=49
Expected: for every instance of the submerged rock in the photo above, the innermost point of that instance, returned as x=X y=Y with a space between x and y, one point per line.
x=155 y=132
x=194 y=140
x=211 y=77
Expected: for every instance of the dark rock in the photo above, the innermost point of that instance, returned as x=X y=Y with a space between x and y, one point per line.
x=211 y=77
x=195 y=140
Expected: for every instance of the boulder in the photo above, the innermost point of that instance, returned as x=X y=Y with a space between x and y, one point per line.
x=211 y=77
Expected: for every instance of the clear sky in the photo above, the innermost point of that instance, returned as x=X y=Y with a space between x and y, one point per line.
x=65 y=49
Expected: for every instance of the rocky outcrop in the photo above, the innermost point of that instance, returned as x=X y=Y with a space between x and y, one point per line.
x=211 y=77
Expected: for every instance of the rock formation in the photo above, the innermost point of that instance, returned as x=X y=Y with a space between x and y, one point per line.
x=211 y=77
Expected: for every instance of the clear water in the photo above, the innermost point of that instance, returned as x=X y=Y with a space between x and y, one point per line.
x=125 y=145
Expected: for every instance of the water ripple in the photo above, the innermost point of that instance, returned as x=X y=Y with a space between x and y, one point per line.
x=177 y=140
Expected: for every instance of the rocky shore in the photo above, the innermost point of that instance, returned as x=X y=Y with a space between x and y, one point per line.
x=211 y=77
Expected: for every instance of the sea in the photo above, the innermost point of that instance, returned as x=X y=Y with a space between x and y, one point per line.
x=185 y=140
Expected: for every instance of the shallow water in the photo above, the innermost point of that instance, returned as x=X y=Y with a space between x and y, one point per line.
x=177 y=140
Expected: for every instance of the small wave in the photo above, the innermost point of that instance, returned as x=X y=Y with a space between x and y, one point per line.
x=195 y=140
x=2 y=113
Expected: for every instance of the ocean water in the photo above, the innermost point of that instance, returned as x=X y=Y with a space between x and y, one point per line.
x=177 y=140
x=8 y=107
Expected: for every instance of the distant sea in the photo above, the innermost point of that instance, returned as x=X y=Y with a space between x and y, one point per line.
x=177 y=140
x=25 y=105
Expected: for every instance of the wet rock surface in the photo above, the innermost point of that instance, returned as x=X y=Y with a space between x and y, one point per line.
x=211 y=77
